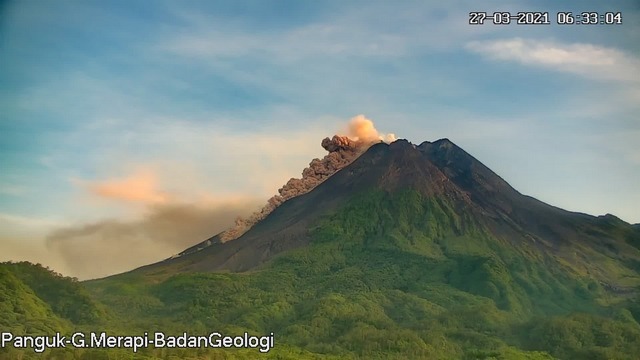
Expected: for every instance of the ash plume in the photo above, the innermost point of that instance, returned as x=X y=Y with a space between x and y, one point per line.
x=343 y=150
x=105 y=247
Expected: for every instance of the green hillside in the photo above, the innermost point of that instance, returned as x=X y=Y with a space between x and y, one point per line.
x=66 y=297
x=388 y=275
x=22 y=310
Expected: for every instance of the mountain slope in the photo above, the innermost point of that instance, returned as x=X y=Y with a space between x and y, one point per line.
x=585 y=243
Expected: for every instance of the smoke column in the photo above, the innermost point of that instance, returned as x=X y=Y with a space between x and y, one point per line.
x=343 y=150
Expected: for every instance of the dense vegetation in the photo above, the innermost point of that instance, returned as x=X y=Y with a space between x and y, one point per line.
x=387 y=276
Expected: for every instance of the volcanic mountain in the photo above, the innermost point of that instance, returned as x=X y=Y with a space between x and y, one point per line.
x=408 y=252
x=472 y=196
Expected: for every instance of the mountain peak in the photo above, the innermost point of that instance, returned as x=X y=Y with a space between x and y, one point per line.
x=401 y=143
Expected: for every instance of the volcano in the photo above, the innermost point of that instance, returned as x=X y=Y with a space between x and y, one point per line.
x=409 y=251
x=444 y=173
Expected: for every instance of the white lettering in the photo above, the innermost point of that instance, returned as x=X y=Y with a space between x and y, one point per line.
x=6 y=337
x=158 y=340
x=77 y=340
x=40 y=344
x=98 y=342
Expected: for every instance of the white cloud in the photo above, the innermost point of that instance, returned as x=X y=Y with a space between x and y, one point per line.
x=584 y=59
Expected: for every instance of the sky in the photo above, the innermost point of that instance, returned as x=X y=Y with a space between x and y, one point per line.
x=130 y=130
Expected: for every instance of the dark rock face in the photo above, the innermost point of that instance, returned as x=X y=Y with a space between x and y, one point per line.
x=437 y=169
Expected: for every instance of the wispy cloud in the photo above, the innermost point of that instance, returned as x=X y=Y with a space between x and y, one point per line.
x=142 y=186
x=584 y=59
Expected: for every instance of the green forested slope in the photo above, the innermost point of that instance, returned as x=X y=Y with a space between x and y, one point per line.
x=21 y=309
x=66 y=296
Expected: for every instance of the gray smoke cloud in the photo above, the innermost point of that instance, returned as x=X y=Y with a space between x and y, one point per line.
x=111 y=246
x=343 y=150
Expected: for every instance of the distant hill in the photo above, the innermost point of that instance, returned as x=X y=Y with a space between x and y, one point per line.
x=66 y=297
x=22 y=310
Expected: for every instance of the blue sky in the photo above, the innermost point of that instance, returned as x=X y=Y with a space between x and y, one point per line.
x=226 y=100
